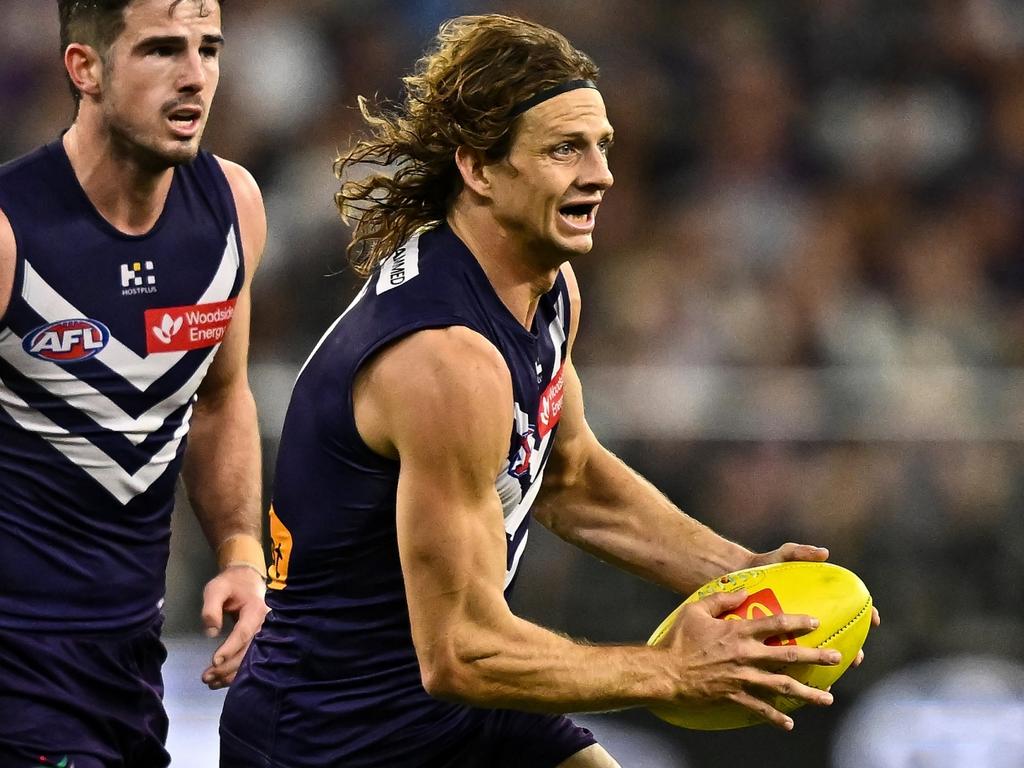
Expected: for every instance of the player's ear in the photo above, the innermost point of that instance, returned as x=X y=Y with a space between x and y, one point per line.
x=85 y=68
x=473 y=170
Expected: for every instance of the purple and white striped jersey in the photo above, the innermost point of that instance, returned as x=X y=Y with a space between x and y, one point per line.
x=335 y=660
x=104 y=343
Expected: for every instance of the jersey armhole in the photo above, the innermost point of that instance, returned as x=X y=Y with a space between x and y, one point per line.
x=227 y=195
x=563 y=291
x=18 y=278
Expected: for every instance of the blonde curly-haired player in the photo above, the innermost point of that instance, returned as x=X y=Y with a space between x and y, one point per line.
x=439 y=414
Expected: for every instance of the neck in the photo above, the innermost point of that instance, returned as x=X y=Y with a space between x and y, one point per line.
x=124 y=192
x=518 y=277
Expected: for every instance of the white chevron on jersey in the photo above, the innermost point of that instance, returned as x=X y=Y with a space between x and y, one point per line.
x=515 y=514
x=139 y=371
x=514 y=517
x=539 y=456
x=122 y=485
x=515 y=504
x=557 y=333
x=90 y=401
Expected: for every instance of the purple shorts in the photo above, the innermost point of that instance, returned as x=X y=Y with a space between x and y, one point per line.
x=500 y=739
x=86 y=702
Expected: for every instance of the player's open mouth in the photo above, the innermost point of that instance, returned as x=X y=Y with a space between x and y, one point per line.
x=185 y=121
x=579 y=216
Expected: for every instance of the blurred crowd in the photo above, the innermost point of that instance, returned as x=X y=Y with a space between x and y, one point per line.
x=805 y=310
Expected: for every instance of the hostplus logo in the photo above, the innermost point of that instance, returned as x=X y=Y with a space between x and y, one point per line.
x=137 y=277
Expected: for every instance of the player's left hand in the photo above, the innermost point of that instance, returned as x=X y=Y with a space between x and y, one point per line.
x=791 y=551
x=237 y=591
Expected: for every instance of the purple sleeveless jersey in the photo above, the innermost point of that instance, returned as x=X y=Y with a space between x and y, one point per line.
x=102 y=347
x=333 y=679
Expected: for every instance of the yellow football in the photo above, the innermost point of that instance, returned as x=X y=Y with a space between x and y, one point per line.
x=834 y=595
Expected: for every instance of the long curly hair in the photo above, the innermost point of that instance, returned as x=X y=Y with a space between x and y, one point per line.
x=462 y=92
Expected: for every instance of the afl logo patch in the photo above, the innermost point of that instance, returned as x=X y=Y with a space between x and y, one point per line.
x=67 y=341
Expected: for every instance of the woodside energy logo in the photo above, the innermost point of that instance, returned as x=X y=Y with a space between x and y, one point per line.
x=180 y=329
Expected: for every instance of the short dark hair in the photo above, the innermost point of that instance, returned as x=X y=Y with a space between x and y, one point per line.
x=97 y=23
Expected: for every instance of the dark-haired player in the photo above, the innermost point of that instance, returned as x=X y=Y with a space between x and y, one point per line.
x=126 y=256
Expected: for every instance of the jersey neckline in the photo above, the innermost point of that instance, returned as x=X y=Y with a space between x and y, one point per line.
x=59 y=153
x=499 y=306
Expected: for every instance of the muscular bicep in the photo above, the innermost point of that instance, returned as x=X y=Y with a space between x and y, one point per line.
x=452 y=547
x=439 y=401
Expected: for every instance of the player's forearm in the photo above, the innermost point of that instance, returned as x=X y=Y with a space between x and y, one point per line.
x=607 y=509
x=222 y=466
x=533 y=669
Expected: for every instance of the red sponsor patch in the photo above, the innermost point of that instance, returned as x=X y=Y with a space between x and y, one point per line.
x=550 y=409
x=757 y=606
x=179 y=329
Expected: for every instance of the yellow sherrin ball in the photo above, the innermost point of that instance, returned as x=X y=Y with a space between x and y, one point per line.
x=834 y=595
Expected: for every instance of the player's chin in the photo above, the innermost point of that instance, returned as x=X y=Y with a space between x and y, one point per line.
x=178 y=150
x=159 y=156
x=182 y=152
x=576 y=244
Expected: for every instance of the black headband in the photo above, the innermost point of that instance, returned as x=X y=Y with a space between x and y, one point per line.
x=548 y=93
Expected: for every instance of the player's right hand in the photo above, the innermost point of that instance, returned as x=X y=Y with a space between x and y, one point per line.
x=237 y=591
x=723 y=660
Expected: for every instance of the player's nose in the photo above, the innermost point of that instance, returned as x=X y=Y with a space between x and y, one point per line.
x=193 y=76
x=595 y=172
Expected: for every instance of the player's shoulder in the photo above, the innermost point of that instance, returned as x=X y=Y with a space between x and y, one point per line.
x=8 y=252
x=451 y=352
x=24 y=172
x=22 y=162
x=446 y=364
x=429 y=275
x=23 y=187
x=252 y=214
x=242 y=182
x=572 y=287
x=447 y=384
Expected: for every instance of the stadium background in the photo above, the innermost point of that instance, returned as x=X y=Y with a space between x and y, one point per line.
x=804 y=318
